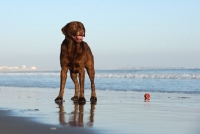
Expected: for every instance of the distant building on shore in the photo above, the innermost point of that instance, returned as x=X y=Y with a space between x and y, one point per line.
x=33 y=68
x=22 y=68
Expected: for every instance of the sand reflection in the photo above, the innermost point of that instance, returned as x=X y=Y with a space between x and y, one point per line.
x=76 y=117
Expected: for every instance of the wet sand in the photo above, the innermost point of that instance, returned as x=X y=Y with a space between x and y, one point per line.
x=33 y=110
x=23 y=125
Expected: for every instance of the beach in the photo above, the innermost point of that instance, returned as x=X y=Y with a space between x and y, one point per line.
x=33 y=110
x=22 y=125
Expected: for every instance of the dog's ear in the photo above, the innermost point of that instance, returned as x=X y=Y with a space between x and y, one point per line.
x=64 y=29
x=69 y=29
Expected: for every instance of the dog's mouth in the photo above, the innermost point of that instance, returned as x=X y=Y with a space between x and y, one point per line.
x=78 y=38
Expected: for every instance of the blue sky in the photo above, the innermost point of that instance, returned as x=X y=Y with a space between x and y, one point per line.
x=121 y=33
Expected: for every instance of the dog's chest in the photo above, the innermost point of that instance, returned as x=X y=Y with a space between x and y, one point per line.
x=74 y=57
x=78 y=53
x=78 y=60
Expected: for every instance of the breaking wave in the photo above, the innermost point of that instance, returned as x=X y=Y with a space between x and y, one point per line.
x=150 y=76
x=111 y=75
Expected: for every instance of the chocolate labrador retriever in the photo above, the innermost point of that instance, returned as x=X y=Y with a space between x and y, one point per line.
x=76 y=56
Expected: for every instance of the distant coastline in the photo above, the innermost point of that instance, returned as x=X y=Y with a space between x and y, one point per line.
x=33 y=68
x=147 y=68
x=16 y=68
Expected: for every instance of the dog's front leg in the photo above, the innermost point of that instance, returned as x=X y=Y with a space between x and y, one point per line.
x=81 y=81
x=91 y=73
x=63 y=77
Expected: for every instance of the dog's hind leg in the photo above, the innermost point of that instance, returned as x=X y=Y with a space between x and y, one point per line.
x=76 y=85
x=91 y=74
x=63 y=77
x=81 y=81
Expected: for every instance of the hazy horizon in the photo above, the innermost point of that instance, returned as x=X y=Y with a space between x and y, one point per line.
x=121 y=34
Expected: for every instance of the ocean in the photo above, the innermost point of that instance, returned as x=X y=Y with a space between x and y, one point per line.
x=120 y=108
x=182 y=80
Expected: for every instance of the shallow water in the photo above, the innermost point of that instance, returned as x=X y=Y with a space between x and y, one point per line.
x=142 y=80
x=115 y=111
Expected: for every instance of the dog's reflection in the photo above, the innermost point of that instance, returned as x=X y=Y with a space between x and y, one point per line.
x=76 y=117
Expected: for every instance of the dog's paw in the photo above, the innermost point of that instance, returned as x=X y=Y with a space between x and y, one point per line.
x=82 y=99
x=93 y=99
x=75 y=98
x=59 y=99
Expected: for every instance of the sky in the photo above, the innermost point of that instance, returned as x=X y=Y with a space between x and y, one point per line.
x=120 y=33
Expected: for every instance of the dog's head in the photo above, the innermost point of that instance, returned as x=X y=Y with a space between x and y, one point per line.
x=74 y=30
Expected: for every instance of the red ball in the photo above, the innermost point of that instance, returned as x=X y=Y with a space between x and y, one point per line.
x=147 y=96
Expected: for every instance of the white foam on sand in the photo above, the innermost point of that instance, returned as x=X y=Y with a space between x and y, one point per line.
x=115 y=111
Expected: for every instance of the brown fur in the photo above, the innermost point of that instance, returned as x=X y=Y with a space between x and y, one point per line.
x=76 y=56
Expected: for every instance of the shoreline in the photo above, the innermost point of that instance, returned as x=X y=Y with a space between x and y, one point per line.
x=23 y=125
x=115 y=112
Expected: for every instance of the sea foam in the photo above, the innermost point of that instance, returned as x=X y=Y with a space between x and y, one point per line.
x=112 y=75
